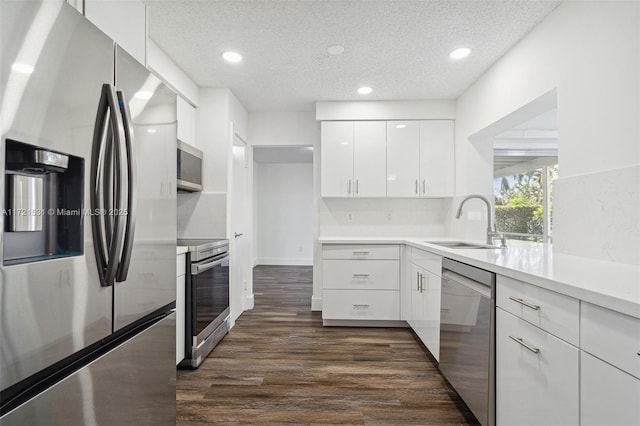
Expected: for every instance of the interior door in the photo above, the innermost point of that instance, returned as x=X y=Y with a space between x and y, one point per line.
x=240 y=287
x=53 y=65
x=150 y=282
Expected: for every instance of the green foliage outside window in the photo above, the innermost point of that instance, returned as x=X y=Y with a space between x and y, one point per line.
x=519 y=205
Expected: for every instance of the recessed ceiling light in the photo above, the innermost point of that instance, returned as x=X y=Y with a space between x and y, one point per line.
x=401 y=126
x=22 y=68
x=365 y=90
x=233 y=57
x=335 y=49
x=459 y=53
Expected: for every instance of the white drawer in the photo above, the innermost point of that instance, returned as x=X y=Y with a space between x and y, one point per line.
x=553 y=312
x=181 y=265
x=358 y=275
x=426 y=260
x=361 y=304
x=611 y=336
x=534 y=388
x=350 y=251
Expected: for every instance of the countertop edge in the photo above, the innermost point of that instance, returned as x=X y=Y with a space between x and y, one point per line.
x=572 y=289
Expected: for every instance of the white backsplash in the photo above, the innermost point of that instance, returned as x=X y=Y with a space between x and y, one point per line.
x=598 y=215
x=202 y=215
x=382 y=217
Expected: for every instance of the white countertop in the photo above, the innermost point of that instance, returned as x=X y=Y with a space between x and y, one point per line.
x=181 y=249
x=614 y=286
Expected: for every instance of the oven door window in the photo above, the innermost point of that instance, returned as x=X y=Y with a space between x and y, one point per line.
x=211 y=295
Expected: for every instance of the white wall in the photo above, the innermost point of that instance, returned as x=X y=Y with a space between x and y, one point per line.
x=589 y=52
x=284 y=213
x=283 y=128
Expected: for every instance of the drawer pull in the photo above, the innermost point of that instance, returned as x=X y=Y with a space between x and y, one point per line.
x=360 y=253
x=520 y=341
x=522 y=302
x=360 y=306
x=361 y=276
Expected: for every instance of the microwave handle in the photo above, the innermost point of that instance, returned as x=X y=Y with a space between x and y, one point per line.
x=197 y=268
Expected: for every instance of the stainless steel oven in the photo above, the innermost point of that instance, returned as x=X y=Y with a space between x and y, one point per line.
x=207 y=298
x=467 y=330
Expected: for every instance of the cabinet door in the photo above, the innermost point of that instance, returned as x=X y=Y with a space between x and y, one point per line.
x=431 y=313
x=608 y=396
x=536 y=386
x=369 y=159
x=186 y=121
x=403 y=161
x=124 y=21
x=336 y=155
x=436 y=158
x=417 y=309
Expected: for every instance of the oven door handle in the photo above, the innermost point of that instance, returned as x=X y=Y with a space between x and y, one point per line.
x=197 y=268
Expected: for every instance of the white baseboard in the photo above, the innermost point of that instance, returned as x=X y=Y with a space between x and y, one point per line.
x=285 y=262
x=316 y=303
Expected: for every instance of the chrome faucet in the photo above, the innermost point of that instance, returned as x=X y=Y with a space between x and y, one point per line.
x=492 y=231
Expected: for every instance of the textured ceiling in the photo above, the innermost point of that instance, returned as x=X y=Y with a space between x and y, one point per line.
x=400 y=48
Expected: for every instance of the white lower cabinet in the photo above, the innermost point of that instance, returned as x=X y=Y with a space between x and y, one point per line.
x=424 y=317
x=360 y=282
x=608 y=396
x=537 y=375
x=609 y=367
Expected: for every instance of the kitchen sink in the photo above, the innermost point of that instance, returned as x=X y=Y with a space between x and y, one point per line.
x=461 y=245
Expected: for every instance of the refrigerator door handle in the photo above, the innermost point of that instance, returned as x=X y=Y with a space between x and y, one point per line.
x=108 y=233
x=132 y=193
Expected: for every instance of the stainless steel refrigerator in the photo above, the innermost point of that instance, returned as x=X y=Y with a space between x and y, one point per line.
x=88 y=226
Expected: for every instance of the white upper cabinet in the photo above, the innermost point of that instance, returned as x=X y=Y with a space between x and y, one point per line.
x=186 y=121
x=388 y=158
x=124 y=21
x=403 y=161
x=353 y=159
x=436 y=158
x=336 y=158
x=369 y=159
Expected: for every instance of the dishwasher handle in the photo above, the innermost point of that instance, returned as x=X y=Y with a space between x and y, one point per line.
x=464 y=281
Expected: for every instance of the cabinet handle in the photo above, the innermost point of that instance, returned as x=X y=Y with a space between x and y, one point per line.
x=422 y=280
x=360 y=253
x=349 y=187
x=424 y=187
x=357 y=186
x=418 y=281
x=360 y=306
x=522 y=302
x=416 y=186
x=360 y=275
x=520 y=341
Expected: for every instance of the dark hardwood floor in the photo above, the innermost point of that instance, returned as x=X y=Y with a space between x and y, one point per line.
x=279 y=365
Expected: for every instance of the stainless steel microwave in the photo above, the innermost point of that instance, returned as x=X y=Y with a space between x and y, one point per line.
x=189 y=168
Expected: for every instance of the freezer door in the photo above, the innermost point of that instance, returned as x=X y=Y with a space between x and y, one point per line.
x=150 y=279
x=52 y=68
x=133 y=384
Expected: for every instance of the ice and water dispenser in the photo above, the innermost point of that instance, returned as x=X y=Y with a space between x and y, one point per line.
x=43 y=205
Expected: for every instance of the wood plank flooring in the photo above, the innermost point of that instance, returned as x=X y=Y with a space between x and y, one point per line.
x=279 y=365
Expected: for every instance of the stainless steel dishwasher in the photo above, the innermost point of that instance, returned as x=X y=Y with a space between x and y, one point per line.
x=467 y=336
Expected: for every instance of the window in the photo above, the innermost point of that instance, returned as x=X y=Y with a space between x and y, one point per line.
x=524 y=203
